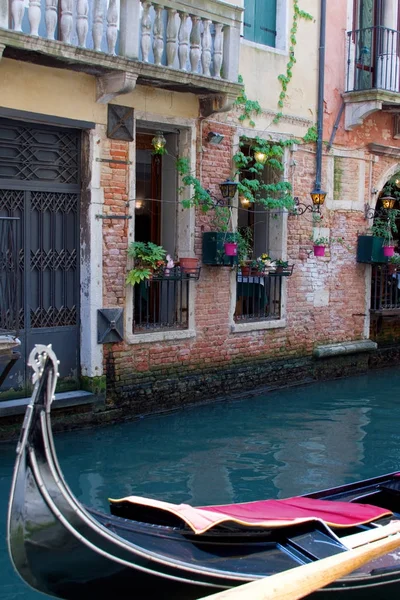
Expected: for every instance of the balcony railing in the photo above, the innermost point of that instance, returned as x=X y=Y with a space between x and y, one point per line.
x=161 y=303
x=259 y=297
x=9 y=277
x=385 y=290
x=373 y=59
x=179 y=34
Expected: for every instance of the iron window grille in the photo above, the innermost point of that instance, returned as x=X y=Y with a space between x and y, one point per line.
x=385 y=289
x=161 y=303
x=259 y=297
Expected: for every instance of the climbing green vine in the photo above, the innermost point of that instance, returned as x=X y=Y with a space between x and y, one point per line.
x=285 y=78
x=249 y=107
x=276 y=195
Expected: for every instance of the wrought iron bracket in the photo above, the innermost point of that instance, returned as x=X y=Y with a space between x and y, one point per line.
x=219 y=201
x=372 y=213
x=300 y=208
x=110 y=325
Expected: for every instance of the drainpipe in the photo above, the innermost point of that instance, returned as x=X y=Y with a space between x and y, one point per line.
x=320 y=107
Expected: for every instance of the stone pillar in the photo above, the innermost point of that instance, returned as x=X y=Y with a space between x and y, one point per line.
x=130 y=13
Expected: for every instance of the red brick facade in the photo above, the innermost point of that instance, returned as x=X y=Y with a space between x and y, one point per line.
x=336 y=278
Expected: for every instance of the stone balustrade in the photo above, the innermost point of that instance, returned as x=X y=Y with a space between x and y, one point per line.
x=202 y=38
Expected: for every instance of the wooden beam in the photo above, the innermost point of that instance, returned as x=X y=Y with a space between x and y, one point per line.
x=301 y=581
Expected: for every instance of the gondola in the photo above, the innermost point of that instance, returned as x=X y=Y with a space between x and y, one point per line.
x=149 y=549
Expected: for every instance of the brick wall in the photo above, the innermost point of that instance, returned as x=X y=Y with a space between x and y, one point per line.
x=325 y=298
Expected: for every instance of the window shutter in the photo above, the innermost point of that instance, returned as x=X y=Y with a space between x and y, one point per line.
x=265 y=22
x=249 y=19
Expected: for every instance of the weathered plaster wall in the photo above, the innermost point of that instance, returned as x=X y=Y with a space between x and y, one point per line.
x=67 y=94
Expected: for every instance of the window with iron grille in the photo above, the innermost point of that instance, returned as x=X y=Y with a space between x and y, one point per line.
x=161 y=301
x=259 y=292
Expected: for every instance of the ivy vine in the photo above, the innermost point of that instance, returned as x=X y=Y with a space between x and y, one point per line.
x=249 y=107
x=270 y=195
x=285 y=78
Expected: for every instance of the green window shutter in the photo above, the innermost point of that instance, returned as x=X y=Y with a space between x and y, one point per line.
x=265 y=22
x=249 y=20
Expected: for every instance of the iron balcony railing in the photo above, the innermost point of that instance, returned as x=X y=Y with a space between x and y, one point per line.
x=385 y=289
x=259 y=297
x=162 y=302
x=9 y=277
x=373 y=59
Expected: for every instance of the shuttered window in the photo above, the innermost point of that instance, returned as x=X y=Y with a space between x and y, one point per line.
x=260 y=21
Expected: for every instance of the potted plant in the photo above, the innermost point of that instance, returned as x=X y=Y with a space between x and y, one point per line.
x=281 y=265
x=319 y=245
x=244 y=238
x=217 y=241
x=394 y=263
x=379 y=245
x=189 y=265
x=147 y=257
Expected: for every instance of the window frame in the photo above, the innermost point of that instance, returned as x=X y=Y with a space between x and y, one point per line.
x=276 y=243
x=281 y=28
x=185 y=225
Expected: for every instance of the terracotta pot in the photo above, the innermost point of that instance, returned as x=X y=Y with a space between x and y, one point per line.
x=319 y=250
x=230 y=248
x=388 y=250
x=189 y=265
x=245 y=271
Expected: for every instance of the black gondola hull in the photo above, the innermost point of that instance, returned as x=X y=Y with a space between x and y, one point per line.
x=64 y=549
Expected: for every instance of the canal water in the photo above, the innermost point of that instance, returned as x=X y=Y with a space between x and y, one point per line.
x=280 y=444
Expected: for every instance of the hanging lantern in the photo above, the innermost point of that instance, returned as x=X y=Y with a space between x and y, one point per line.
x=388 y=202
x=228 y=188
x=244 y=202
x=318 y=197
x=260 y=157
x=158 y=142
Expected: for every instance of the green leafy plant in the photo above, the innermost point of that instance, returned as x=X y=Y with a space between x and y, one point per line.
x=147 y=257
x=200 y=197
x=395 y=259
x=252 y=187
x=320 y=241
x=249 y=107
x=386 y=226
x=244 y=239
x=282 y=263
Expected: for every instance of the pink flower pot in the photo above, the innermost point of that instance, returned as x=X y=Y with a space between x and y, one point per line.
x=319 y=250
x=230 y=248
x=388 y=250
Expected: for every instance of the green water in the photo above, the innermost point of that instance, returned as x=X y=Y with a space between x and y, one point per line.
x=281 y=444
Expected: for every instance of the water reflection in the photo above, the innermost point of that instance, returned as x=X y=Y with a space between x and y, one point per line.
x=281 y=444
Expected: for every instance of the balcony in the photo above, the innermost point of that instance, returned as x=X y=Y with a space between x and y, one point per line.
x=372 y=81
x=175 y=45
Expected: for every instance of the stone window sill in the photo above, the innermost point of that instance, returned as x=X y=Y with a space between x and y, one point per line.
x=258 y=326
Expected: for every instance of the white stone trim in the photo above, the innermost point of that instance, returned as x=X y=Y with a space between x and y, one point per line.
x=160 y=336
x=281 y=25
x=185 y=223
x=263 y=47
x=92 y=267
x=352 y=203
x=259 y=326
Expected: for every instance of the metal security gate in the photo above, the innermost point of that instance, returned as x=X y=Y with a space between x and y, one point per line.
x=40 y=184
